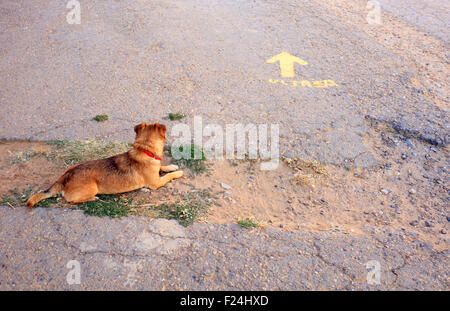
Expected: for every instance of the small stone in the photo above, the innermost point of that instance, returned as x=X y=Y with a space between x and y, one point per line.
x=398 y=211
x=412 y=191
x=443 y=231
x=409 y=143
x=428 y=224
x=404 y=156
x=448 y=218
x=385 y=191
x=414 y=223
x=225 y=186
x=145 y=190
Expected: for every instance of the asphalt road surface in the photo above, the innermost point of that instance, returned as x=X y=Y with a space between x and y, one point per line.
x=431 y=16
x=141 y=60
x=137 y=253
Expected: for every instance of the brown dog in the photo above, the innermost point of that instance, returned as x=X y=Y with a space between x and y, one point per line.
x=125 y=172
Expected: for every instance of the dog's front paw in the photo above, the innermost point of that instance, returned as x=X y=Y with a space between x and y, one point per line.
x=169 y=168
x=178 y=174
x=172 y=167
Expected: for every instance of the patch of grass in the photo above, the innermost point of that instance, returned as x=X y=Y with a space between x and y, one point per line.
x=7 y=200
x=197 y=166
x=107 y=205
x=249 y=222
x=101 y=118
x=73 y=152
x=194 y=205
x=19 y=157
x=175 y=116
x=47 y=202
x=18 y=197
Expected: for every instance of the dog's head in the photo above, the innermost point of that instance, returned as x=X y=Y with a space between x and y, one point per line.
x=148 y=133
x=150 y=137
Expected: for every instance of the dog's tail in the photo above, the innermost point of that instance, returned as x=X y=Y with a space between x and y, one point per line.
x=55 y=189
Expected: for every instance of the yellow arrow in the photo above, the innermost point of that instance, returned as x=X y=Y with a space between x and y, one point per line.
x=286 y=63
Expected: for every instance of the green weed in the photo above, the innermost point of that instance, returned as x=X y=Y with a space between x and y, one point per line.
x=249 y=222
x=107 y=205
x=101 y=118
x=176 y=116
x=192 y=157
x=194 y=205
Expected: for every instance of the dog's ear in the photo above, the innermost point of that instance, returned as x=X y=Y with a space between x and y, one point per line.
x=139 y=127
x=161 y=129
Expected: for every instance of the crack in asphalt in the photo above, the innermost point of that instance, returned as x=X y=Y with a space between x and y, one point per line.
x=409 y=132
x=64 y=242
x=342 y=269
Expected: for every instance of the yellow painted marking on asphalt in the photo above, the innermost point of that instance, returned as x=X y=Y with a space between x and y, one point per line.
x=306 y=83
x=287 y=62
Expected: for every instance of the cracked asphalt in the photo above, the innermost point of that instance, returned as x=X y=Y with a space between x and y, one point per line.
x=141 y=60
x=142 y=254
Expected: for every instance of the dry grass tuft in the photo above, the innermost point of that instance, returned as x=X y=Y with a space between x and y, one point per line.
x=306 y=171
x=73 y=152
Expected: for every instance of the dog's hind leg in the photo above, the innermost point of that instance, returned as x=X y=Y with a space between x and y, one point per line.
x=81 y=193
x=53 y=190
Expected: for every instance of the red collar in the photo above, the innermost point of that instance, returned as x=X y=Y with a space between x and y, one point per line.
x=150 y=155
